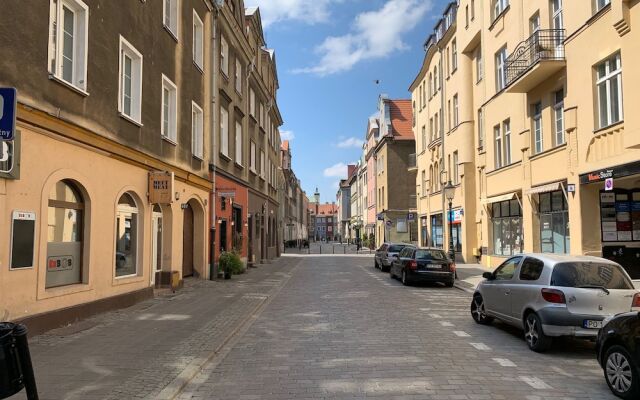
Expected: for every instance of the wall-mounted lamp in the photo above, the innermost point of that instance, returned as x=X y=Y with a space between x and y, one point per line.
x=177 y=196
x=219 y=221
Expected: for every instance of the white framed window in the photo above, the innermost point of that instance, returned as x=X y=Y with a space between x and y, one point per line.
x=238 y=143
x=479 y=66
x=506 y=131
x=198 y=41
x=197 y=131
x=536 y=112
x=224 y=131
x=609 y=88
x=456 y=176
x=454 y=56
x=170 y=18
x=262 y=169
x=480 y=129
x=261 y=115
x=473 y=10
x=238 y=76
x=501 y=72
x=600 y=4
x=68 y=42
x=558 y=116
x=252 y=159
x=498 y=7
x=169 y=110
x=556 y=18
x=497 y=146
x=130 y=82
x=424 y=138
x=224 y=56
x=252 y=102
x=534 y=23
x=431 y=133
x=456 y=116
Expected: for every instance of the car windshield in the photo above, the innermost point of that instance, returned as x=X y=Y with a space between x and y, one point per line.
x=396 y=248
x=430 y=255
x=590 y=274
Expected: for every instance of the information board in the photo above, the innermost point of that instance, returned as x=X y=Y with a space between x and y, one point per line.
x=23 y=228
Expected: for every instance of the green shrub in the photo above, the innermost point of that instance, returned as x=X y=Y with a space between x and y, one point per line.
x=231 y=262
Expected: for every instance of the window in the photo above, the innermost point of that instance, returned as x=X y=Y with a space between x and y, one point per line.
x=169 y=110
x=436 y=231
x=534 y=23
x=581 y=274
x=501 y=72
x=558 y=114
x=506 y=131
x=456 y=119
x=130 y=103
x=556 y=18
x=600 y=4
x=436 y=126
x=456 y=176
x=506 y=271
x=65 y=235
x=69 y=30
x=224 y=56
x=431 y=133
x=436 y=78
x=609 y=87
x=497 y=146
x=238 y=143
x=424 y=183
x=554 y=222
x=252 y=103
x=466 y=16
x=126 y=237
x=506 y=219
x=171 y=19
x=238 y=76
x=473 y=9
x=424 y=138
x=431 y=180
x=197 y=135
x=480 y=129
x=430 y=84
x=536 y=111
x=262 y=169
x=498 y=7
x=198 y=40
x=224 y=132
x=454 y=56
x=531 y=269
x=252 y=160
x=448 y=64
x=479 y=68
x=449 y=114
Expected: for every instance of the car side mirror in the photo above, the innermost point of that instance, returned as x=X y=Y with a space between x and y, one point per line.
x=488 y=276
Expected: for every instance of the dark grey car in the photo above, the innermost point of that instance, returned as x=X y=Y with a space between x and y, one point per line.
x=384 y=255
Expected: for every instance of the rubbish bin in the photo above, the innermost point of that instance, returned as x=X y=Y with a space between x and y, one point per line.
x=16 y=371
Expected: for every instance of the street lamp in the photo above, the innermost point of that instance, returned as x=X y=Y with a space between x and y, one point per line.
x=449 y=193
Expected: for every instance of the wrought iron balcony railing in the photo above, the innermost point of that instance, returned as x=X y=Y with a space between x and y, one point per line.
x=544 y=44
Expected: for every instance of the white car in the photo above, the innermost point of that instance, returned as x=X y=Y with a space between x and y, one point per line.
x=551 y=295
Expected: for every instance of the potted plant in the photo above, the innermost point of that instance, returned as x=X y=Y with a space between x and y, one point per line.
x=230 y=264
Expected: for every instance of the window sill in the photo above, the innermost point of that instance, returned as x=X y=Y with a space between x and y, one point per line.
x=68 y=85
x=239 y=92
x=548 y=151
x=199 y=158
x=253 y=117
x=479 y=80
x=253 y=171
x=225 y=75
x=169 y=140
x=198 y=67
x=65 y=290
x=608 y=127
x=171 y=33
x=237 y=164
x=131 y=120
x=224 y=156
x=504 y=167
x=127 y=279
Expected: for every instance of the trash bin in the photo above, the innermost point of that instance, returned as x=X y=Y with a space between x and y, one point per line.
x=16 y=371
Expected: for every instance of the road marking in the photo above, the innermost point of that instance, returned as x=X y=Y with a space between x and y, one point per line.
x=562 y=372
x=534 y=382
x=446 y=323
x=435 y=315
x=461 y=334
x=481 y=346
x=504 y=362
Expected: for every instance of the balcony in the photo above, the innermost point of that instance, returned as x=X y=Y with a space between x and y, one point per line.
x=535 y=60
x=412 y=164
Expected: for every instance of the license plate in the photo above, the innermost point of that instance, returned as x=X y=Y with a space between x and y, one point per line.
x=434 y=266
x=591 y=324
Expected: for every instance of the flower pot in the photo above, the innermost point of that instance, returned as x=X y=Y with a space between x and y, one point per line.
x=227 y=275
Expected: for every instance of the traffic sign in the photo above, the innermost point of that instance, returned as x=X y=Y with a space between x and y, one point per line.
x=8 y=103
x=608 y=184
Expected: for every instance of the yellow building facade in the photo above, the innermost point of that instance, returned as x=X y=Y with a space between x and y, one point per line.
x=545 y=94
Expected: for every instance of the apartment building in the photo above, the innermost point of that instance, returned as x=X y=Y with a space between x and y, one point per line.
x=555 y=143
x=371 y=140
x=343 y=198
x=294 y=204
x=395 y=197
x=105 y=191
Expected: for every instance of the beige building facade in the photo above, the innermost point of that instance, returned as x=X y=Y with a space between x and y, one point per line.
x=543 y=89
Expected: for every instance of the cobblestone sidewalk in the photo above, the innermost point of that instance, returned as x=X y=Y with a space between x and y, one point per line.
x=138 y=351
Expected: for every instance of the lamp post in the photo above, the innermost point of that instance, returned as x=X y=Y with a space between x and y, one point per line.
x=449 y=193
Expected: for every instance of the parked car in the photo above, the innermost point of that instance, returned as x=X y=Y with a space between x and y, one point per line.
x=423 y=265
x=385 y=254
x=618 y=350
x=551 y=295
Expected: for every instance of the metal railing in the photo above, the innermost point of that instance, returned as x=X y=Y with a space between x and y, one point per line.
x=544 y=44
x=412 y=160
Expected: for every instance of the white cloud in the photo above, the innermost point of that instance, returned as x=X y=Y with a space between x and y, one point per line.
x=337 y=170
x=287 y=135
x=307 y=11
x=374 y=34
x=351 y=142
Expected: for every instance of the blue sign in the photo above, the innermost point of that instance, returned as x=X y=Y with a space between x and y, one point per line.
x=8 y=101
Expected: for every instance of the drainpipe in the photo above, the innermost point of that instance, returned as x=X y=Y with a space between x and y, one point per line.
x=213 y=268
x=441 y=85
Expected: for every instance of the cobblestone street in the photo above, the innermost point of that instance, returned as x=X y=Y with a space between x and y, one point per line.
x=307 y=328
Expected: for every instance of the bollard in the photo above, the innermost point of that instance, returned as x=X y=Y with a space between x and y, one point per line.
x=16 y=370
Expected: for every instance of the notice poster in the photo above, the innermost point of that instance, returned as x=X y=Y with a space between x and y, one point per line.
x=623 y=217
x=608 y=217
x=635 y=215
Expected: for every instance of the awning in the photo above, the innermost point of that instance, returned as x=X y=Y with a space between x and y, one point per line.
x=551 y=187
x=496 y=199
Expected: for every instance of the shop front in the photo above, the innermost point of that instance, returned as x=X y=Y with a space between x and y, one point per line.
x=424 y=228
x=506 y=227
x=551 y=218
x=615 y=234
x=455 y=219
x=230 y=217
x=436 y=231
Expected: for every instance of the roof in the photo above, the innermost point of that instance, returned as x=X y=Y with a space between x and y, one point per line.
x=401 y=119
x=328 y=209
x=285 y=145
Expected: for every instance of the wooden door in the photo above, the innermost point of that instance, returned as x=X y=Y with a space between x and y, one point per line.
x=187 y=242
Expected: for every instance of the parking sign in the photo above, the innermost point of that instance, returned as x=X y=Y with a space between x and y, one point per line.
x=8 y=102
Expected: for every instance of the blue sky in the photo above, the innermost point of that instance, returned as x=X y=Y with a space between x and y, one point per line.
x=329 y=53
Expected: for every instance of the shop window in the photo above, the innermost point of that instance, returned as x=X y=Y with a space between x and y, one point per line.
x=436 y=230
x=507 y=228
x=554 y=223
x=126 y=237
x=65 y=234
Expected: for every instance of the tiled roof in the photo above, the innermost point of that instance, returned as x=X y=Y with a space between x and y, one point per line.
x=401 y=119
x=285 y=145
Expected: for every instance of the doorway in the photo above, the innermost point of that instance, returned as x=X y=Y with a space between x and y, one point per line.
x=156 y=243
x=223 y=235
x=250 y=229
x=187 y=242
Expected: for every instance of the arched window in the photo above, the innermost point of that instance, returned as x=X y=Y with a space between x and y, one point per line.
x=65 y=234
x=126 y=236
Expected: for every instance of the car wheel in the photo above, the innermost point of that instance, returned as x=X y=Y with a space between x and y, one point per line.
x=621 y=373
x=533 y=334
x=375 y=264
x=478 y=312
x=405 y=280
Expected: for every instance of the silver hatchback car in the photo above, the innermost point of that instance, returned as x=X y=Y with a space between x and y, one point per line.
x=551 y=295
